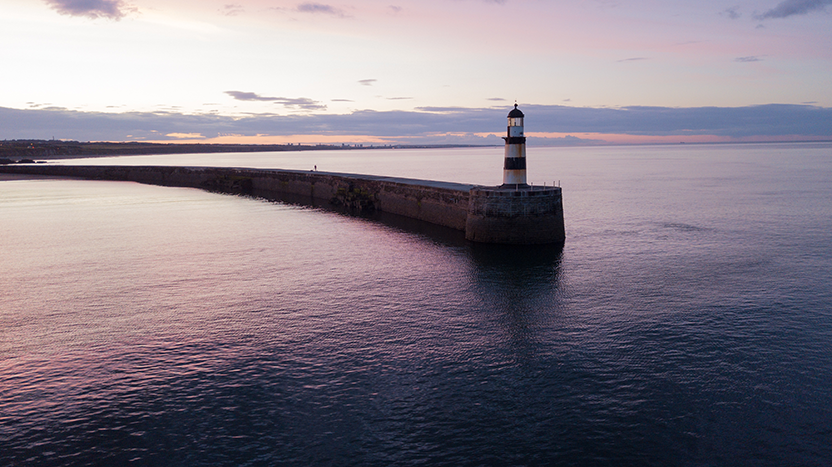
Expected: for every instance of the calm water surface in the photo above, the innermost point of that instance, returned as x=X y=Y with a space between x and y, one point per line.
x=686 y=321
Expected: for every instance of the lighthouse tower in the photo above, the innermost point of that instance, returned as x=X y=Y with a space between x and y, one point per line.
x=514 y=168
x=515 y=212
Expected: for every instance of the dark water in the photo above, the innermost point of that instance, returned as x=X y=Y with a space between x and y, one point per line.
x=686 y=321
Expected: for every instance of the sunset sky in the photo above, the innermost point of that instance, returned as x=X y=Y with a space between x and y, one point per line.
x=416 y=72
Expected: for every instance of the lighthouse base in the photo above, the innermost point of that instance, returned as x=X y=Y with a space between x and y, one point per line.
x=515 y=214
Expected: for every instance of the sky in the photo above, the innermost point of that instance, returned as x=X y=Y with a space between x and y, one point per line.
x=416 y=72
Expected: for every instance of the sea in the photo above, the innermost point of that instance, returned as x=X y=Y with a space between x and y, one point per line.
x=685 y=321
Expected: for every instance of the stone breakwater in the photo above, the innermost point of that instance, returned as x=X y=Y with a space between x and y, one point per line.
x=513 y=215
x=491 y=215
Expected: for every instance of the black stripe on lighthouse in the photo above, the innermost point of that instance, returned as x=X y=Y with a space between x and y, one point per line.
x=515 y=163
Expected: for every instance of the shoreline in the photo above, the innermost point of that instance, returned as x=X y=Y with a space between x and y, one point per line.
x=16 y=150
x=8 y=177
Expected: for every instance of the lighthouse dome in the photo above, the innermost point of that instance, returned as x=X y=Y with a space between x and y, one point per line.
x=515 y=113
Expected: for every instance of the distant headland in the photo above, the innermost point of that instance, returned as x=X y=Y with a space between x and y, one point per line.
x=16 y=150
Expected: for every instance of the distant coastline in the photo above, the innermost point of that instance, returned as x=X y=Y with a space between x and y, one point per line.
x=27 y=151
x=12 y=151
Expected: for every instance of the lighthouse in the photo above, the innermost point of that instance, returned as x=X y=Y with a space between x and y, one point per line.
x=515 y=212
x=514 y=168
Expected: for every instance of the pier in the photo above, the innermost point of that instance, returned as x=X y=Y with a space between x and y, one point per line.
x=489 y=215
x=512 y=213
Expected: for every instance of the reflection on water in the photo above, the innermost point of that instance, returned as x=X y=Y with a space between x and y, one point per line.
x=149 y=325
x=519 y=266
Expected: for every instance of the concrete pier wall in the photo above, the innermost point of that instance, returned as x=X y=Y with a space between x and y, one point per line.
x=439 y=203
x=527 y=215
x=490 y=215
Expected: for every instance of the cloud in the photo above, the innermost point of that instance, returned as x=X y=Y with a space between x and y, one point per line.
x=303 y=103
x=109 y=9
x=424 y=124
x=367 y=82
x=231 y=9
x=633 y=59
x=320 y=8
x=342 y=100
x=731 y=12
x=568 y=140
x=185 y=135
x=443 y=110
x=750 y=58
x=248 y=96
x=788 y=8
x=736 y=122
x=395 y=9
x=498 y=99
x=300 y=103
